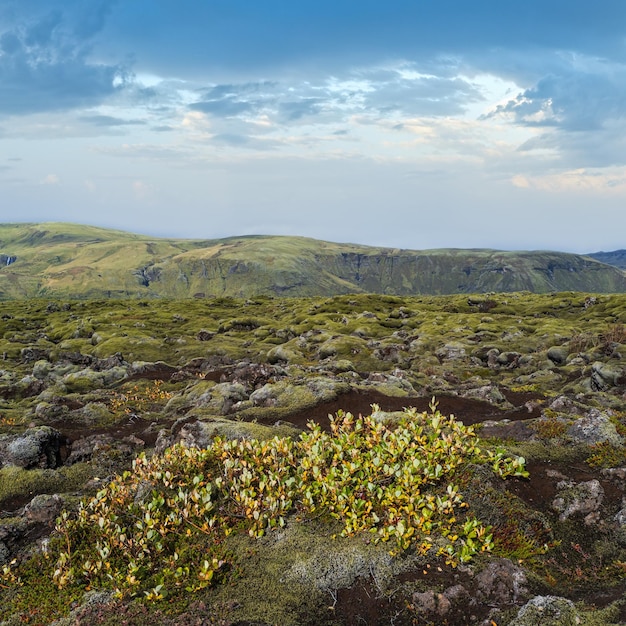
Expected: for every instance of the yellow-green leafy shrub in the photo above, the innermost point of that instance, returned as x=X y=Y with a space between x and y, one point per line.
x=162 y=526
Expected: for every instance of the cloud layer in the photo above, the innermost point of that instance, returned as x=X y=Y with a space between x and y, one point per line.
x=413 y=110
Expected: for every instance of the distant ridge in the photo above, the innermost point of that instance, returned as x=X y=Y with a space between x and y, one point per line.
x=57 y=260
x=616 y=258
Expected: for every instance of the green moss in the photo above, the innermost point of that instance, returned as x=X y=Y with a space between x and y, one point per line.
x=291 y=575
x=16 y=482
x=133 y=348
x=547 y=451
x=604 y=455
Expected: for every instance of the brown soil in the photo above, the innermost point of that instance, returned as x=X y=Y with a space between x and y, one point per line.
x=358 y=402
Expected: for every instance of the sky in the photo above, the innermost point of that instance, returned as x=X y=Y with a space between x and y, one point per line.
x=405 y=123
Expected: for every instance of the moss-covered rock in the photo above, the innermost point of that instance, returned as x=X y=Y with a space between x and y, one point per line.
x=557 y=611
x=595 y=427
x=88 y=380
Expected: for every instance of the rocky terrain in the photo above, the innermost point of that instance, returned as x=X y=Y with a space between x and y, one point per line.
x=86 y=387
x=72 y=261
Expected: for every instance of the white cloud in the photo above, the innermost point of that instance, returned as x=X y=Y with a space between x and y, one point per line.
x=50 y=179
x=196 y=123
x=588 y=181
x=141 y=189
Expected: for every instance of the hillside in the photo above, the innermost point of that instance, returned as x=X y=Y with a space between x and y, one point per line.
x=73 y=261
x=616 y=258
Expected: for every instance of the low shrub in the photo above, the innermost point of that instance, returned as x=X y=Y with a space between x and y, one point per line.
x=161 y=527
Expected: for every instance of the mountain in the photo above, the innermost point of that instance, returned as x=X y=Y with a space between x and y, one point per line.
x=616 y=258
x=56 y=260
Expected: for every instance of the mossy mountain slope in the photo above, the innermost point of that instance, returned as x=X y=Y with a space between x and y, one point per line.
x=75 y=261
x=616 y=258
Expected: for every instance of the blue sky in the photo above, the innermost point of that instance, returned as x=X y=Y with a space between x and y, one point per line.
x=407 y=124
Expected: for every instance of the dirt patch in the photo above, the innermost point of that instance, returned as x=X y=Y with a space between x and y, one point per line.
x=358 y=402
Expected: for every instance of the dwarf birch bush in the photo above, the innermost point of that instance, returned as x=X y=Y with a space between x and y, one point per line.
x=162 y=526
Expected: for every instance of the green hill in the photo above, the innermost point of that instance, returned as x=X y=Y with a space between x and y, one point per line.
x=73 y=261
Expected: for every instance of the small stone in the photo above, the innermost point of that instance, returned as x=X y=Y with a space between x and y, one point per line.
x=584 y=498
x=501 y=582
x=547 y=611
x=44 y=508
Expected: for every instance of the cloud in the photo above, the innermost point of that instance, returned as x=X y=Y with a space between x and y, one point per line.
x=604 y=147
x=50 y=179
x=399 y=89
x=579 y=181
x=417 y=94
x=223 y=108
x=45 y=64
x=141 y=190
x=575 y=100
x=230 y=100
x=196 y=123
x=274 y=38
x=249 y=142
x=108 y=120
x=294 y=110
x=577 y=110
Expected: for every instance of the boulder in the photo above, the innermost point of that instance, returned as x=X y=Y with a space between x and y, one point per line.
x=558 y=355
x=220 y=398
x=264 y=396
x=44 y=508
x=83 y=449
x=595 y=427
x=282 y=394
x=391 y=353
x=282 y=354
x=116 y=360
x=620 y=516
x=453 y=351
x=4 y=554
x=255 y=375
x=12 y=533
x=145 y=369
x=88 y=379
x=508 y=359
x=606 y=375
x=41 y=369
x=487 y=393
x=483 y=352
x=31 y=354
x=563 y=404
x=200 y=434
x=36 y=447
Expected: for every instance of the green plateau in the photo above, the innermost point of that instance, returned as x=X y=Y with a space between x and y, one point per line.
x=58 y=260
